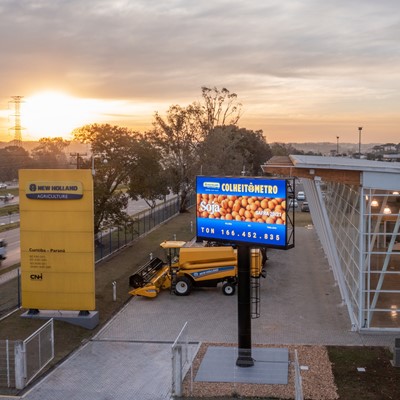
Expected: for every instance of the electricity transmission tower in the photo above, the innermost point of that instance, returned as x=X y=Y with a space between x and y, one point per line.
x=16 y=100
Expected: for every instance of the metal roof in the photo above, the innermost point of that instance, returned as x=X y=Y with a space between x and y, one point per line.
x=344 y=163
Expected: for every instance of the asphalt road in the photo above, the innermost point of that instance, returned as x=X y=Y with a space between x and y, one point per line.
x=9 y=219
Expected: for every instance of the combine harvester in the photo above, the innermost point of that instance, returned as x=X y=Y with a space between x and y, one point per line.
x=189 y=267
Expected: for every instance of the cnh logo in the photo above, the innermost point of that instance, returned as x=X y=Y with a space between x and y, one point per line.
x=36 y=277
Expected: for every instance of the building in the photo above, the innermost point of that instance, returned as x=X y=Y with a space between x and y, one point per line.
x=355 y=209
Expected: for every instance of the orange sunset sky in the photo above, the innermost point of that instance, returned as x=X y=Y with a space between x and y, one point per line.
x=304 y=70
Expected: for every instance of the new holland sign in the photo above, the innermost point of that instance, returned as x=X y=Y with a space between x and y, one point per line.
x=57 y=239
x=54 y=190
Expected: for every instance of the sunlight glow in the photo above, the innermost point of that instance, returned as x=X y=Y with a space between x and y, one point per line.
x=55 y=114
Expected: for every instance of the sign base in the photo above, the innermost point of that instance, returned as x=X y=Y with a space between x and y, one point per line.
x=87 y=320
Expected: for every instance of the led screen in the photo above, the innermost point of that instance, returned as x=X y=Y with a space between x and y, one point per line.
x=242 y=210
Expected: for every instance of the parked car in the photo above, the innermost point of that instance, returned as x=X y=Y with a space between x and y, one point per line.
x=3 y=185
x=305 y=207
x=301 y=196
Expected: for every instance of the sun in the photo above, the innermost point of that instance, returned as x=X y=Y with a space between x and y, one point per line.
x=55 y=114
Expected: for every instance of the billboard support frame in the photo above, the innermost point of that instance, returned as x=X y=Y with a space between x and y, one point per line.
x=245 y=358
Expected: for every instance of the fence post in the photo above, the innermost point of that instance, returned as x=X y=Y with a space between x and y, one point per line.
x=20 y=373
x=19 y=286
x=8 y=363
x=298 y=381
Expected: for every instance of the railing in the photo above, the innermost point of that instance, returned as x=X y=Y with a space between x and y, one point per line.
x=106 y=243
x=22 y=361
x=181 y=360
x=7 y=363
x=115 y=238
x=10 y=291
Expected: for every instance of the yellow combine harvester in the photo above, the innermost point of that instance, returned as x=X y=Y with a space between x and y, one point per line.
x=189 y=267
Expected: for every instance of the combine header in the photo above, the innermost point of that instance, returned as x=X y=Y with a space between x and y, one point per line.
x=189 y=267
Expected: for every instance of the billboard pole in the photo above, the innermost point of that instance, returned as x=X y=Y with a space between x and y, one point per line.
x=244 y=308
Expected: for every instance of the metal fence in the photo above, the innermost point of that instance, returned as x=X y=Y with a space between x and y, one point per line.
x=114 y=238
x=7 y=363
x=22 y=361
x=181 y=360
x=106 y=243
x=10 y=291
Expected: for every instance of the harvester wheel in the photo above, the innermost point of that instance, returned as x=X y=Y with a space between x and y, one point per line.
x=183 y=286
x=228 y=289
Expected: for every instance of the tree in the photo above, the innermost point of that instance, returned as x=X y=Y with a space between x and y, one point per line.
x=177 y=137
x=13 y=158
x=50 y=153
x=113 y=158
x=148 y=178
x=220 y=108
x=283 y=149
x=234 y=151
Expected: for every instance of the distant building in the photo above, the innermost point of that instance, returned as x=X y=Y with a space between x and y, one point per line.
x=391 y=157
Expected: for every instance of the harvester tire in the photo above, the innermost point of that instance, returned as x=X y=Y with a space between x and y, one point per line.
x=228 y=289
x=183 y=286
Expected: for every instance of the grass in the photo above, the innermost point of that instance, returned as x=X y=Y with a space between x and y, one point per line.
x=9 y=210
x=380 y=381
x=6 y=210
x=7 y=227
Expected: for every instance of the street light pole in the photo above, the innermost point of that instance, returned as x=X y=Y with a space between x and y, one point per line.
x=359 y=141
x=337 y=145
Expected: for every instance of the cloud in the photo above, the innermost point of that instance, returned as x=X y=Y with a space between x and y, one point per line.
x=303 y=53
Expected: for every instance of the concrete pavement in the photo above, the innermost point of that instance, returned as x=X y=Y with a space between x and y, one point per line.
x=130 y=358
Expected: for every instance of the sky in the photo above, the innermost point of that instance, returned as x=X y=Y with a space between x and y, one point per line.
x=304 y=70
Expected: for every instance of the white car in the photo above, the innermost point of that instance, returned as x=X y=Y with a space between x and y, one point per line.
x=3 y=185
x=301 y=196
x=7 y=197
x=293 y=203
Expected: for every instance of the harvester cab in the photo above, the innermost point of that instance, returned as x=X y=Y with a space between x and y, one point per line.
x=189 y=267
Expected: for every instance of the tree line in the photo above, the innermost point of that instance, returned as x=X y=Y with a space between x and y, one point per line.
x=202 y=138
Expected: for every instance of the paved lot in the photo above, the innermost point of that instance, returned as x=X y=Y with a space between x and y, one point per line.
x=130 y=358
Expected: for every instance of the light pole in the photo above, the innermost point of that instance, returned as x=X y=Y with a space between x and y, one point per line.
x=97 y=155
x=359 y=141
x=337 y=145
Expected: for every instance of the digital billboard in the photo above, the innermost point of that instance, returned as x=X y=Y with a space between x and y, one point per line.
x=57 y=245
x=242 y=210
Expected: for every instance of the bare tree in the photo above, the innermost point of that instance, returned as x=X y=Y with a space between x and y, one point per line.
x=221 y=108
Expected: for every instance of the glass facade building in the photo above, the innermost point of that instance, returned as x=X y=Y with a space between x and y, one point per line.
x=355 y=206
